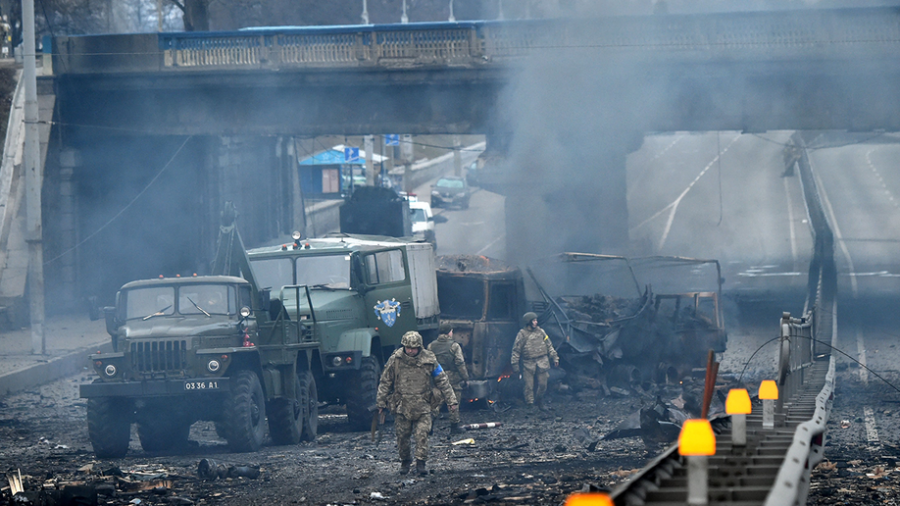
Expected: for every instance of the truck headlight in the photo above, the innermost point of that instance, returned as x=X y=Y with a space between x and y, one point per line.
x=213 y=365
x=110 y=370
x=336 y=361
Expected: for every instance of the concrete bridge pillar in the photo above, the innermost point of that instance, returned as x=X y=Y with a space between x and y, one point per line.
x=67 y=299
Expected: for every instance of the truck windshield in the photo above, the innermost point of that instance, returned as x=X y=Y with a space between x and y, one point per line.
x=192 y=299
x=418 y=215
x=329 y=271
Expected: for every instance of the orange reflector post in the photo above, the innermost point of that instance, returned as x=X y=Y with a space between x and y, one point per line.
x=768 y=390
x=696 y=438
x=588 y=499
x=738 y=402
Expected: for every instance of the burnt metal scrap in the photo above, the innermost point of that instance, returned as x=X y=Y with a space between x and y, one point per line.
x=615 y=335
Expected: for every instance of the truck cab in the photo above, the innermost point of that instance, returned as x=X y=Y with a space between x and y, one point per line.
x=365 y=293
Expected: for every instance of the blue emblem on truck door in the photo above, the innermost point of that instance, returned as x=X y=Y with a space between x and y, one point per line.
x=388 y=311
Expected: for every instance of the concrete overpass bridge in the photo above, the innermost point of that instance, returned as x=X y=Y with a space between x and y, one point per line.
x=218 y=113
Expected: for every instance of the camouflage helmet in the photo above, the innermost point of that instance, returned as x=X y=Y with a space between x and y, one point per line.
x=411 y=339
x=528 y=317
x=445 y=328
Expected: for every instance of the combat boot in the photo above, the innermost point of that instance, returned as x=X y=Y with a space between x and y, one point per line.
x=455 y=429
x=420 y=468
x=404 y=466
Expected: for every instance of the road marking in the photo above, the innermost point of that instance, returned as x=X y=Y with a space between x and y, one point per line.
x=674 y=205
x=790 y=209
x=678 y=137
x=871 y=431
x=482 y=250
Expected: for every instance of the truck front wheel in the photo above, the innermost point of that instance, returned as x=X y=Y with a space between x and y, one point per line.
x=362 y=388
x=109 y=426
x=244 y=413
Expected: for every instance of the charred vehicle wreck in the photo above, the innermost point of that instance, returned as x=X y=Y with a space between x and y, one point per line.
x=612 y=330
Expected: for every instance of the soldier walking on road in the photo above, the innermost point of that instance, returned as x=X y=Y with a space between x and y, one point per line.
x=449 y=354
x=536 y=351
x=407 y=389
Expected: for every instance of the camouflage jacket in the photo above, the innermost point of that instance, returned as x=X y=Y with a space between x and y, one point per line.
x=533 y=345
x=449 y=354
x=408 y=384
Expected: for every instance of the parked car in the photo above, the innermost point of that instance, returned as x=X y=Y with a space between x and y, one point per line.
x=422 y=222
x=450 y=191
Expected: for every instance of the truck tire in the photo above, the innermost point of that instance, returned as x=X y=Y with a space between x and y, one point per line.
x=362 y=389
x=159 y=433
x=109 y=426
x=244 y=413
x=286 y=418
x=310 y=397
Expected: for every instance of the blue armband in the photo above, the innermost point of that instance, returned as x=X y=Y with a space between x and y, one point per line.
x=437 y=370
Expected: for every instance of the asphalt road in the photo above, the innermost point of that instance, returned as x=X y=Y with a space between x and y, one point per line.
x=723 y=196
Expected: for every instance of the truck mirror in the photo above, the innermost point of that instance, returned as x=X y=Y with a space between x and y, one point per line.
x=112 y=326
x=264 y=299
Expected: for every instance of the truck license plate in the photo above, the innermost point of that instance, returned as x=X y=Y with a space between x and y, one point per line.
x=201 y=385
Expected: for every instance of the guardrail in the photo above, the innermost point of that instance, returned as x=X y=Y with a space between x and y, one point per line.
x=774 y=468
x=756 y=36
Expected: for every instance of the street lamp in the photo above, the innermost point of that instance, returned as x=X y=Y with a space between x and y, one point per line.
x=365 y=12
x=403 y=17
x=452 y=17
x=500 y=10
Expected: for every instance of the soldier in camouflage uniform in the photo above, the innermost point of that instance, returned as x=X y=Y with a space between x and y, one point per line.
x=407 y=389
x=449 y=354
x=536 y=351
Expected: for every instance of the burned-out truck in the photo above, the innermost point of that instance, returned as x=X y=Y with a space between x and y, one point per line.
x=483 y=299
x=601 y=312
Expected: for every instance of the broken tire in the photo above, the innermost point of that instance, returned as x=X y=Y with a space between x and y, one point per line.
x=109 y=426
x=286 y=418
x=310 y=398
x=244 y=413
x=159 y=433
x=362 y=389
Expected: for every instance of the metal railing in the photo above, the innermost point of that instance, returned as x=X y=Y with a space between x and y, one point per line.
x=799 y=35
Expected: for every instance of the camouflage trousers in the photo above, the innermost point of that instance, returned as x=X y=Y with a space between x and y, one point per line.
x=409 y=427
x=531 y=371
x=454 y=415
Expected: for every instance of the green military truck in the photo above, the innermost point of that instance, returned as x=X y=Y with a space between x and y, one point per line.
x=366 y=292
x=202 y=348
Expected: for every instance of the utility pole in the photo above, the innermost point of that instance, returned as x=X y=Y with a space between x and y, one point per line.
x=159 y=15
x=33 y=177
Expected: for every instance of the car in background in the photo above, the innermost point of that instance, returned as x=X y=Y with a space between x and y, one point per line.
x=422 y=222
x=450 y=191
x=472 y=174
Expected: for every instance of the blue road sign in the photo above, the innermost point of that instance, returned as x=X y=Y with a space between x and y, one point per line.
x=392 y=140
x=351 y=155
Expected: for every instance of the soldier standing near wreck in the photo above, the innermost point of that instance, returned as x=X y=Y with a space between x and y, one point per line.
x=449 y=354
x=536 y=351
x=407 y=389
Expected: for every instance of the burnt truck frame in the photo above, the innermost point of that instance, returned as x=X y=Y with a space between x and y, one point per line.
x=483 y=299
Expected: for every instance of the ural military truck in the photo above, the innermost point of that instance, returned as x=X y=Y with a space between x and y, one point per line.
x=205 y=348
x=365 y=293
